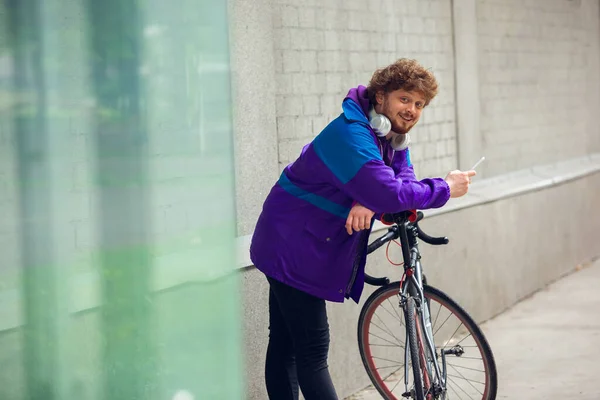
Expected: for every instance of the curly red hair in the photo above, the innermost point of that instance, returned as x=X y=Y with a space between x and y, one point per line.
x=405 y=74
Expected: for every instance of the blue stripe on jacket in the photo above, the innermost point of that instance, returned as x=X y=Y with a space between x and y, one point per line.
x=314 y=199
x=347 y=143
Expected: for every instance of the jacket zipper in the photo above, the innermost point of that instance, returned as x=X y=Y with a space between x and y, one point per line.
x=355 y=267
x=352 y=279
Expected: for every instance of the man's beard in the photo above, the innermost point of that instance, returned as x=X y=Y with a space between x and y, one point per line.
x=401 y=129
x=395 y=128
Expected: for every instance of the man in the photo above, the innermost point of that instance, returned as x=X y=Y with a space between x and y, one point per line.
x=311 y=237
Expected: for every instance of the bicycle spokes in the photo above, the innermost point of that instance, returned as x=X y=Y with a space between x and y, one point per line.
x=462 y=355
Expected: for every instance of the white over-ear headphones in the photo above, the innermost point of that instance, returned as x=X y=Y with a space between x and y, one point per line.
x=379 y=122
x=400 y=141
x=382 y=126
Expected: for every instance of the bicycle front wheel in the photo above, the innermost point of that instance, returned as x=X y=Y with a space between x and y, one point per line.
x=471 y=369
x=414 y=344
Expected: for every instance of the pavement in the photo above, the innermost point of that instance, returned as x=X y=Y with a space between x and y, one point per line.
x=548 y=345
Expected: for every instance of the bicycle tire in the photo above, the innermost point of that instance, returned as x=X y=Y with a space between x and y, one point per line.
x=381 y=378
x=411 y=330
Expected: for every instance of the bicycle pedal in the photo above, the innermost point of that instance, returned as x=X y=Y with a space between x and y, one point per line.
x=408 y=395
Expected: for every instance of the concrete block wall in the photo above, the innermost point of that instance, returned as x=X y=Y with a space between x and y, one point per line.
x=539 y=81
x=497 y=66
x=254 y=117
x=322 y=49
x=498 y=63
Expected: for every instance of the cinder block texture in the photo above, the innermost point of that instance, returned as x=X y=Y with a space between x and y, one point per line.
x=253 y=64
x=539 y=77
x=322 y=49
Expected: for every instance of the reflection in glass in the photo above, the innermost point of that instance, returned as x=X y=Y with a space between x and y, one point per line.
x=116 y=201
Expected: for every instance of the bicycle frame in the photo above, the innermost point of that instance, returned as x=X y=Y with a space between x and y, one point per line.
x=414 y=295
x=412 y=286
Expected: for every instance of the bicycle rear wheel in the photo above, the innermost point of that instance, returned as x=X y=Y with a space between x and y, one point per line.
x=471 y=369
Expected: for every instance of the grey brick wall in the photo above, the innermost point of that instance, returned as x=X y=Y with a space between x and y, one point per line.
x=538 y=76
x=322 y=49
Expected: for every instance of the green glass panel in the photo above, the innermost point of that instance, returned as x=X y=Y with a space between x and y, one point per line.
x=117 y=219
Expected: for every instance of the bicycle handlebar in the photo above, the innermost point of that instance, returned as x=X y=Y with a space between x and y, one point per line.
x=402 y=217
x=436 y=241
x=376 y=281
x=393 y=233
x=390 y=235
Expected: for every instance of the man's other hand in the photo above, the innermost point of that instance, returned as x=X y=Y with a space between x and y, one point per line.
x=459 y=182
x=358 y=219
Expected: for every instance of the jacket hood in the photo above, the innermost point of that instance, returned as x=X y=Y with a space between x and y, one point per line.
x=357 y=106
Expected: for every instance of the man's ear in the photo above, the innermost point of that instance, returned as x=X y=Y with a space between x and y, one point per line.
x=379 y=97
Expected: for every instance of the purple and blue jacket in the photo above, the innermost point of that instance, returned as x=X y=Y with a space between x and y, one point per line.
x=300 y=237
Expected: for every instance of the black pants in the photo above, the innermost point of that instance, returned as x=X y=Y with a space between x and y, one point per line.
x=298 y=345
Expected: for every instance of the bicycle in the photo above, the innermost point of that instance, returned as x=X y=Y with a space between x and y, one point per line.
x=440 y=355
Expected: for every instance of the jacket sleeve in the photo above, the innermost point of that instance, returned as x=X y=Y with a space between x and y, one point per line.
x=403 y=170
x=355 y=160
x=402 y=166
x=376 y=187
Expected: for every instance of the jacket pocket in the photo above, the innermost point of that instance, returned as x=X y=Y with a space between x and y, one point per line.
x=327 y=232
x=322 y=258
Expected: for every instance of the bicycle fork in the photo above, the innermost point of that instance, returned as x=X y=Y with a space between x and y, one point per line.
x=431 y=363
